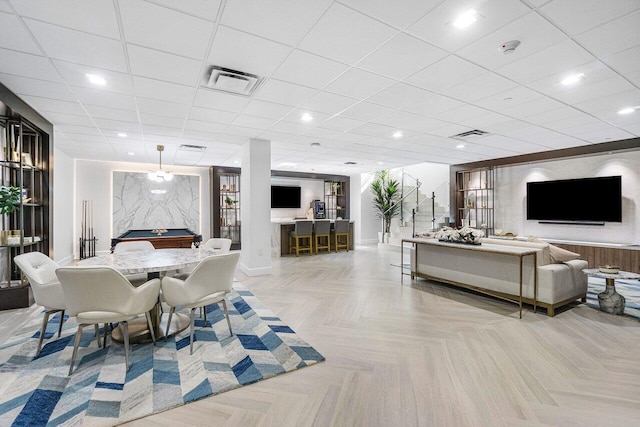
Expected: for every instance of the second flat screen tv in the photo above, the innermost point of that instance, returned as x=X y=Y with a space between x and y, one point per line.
x=285 y=197
x=574 y=200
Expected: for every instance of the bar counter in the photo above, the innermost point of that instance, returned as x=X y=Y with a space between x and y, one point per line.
x=280 y=229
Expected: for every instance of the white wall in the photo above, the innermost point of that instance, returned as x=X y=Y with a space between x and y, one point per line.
x=310 y=190
x=93 y=181
x=63 y=191
x=510 y=213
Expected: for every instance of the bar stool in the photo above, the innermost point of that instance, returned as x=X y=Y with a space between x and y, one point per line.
x=303 y=231
x=323 y=231
x=341 y=229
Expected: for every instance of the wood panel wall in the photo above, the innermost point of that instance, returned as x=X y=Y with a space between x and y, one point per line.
x=626 y=259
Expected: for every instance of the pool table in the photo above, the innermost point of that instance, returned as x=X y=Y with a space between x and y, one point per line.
x=171 y=238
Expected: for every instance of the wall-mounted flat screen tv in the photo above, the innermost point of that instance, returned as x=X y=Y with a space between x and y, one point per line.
x=285 y=197
x=586 y=199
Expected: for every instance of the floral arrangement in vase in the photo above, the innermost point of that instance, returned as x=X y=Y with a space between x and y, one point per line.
x=467 y=235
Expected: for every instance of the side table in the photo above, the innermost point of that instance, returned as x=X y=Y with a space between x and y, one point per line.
x=610 y=301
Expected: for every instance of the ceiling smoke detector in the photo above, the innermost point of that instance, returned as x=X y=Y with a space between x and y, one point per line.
x=231 y=81
x=509 y=47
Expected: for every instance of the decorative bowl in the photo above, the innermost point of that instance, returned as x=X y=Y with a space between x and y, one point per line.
x=610 y=269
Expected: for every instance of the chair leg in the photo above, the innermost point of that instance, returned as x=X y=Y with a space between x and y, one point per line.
x=171 y=311
x=191 y=331
x=45 y=320
x=150 y=325
x=226 y=313
x=204 y=309
x=347 y=243
x=60 y=325
x=125 y=336
x=97 y=328
x=75 y=347
x=106 y=332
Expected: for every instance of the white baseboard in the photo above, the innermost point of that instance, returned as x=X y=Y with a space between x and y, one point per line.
x=66 y=260
x=368 y=241
x=254 y=271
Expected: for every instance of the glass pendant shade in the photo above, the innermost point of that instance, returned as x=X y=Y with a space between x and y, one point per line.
x=160 y=175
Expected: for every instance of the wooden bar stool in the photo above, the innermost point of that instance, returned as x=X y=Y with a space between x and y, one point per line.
x=322 y=232
x=341 y=230
x=303 y=231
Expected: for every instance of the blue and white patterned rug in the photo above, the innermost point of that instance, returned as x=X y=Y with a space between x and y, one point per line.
x=100 y=392
x=629 y=289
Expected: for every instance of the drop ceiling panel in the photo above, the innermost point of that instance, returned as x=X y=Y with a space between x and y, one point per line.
x=402 y=56
x=448 y=72
x=625 y=61
x=208 y=115
x=79 y=47
x=252 y=121
x=71 y=119
x=284 y=93
x=480 y=87
x=27 y=65
x=596 y=90
x=308 y=70
x=266 y=109
x=220 y=101
x=33 y=87
x=433 y=105
x=162 y=108
x=340 y=123
x=332 y=36
x=46 y=104
x=390 y=13
x=615 y=36
x=117 y=125
x=13 y=35
x=152 y=119
x=328 y=103
x=163 y=66
x=578 y=16
x=245 y=52
x=359 y=84
x=399 y=95
x=205 y=126
x=503 y=101
x=206 y=9
x=160 y=28
x=104 y=99
x=112 y=113
x=76 y=75
x=164 y=91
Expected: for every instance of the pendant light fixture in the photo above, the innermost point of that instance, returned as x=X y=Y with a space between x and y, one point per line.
x=160 y=175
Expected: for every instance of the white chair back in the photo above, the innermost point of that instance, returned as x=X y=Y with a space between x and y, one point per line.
x=223 y=245
x=41 y=272
x=213 y=274
x=137 y=245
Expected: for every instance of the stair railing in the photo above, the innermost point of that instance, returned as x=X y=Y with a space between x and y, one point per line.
x=396 y=204
x=417 y=187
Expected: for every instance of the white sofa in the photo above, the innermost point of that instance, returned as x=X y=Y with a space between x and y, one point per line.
x=499 y=274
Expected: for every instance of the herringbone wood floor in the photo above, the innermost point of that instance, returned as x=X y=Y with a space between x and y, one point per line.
x=426 y=354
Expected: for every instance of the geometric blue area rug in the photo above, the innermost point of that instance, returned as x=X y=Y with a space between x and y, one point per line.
x=629 y=289
x=38 y=391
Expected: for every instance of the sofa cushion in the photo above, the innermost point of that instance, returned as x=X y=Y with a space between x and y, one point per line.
x=542 y=247
x=559 y=255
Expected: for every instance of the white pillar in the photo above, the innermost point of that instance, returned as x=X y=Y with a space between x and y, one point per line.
x=355 y=197
x=255 y=200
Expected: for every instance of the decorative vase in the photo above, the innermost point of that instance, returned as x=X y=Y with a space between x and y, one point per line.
x=224 y=187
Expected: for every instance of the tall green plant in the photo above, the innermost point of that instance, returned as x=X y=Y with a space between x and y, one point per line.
x=9 y=199
x=386 y=197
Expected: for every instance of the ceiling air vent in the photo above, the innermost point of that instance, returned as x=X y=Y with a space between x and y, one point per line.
x=231 y=81
x=188 y=147
x=470 y=134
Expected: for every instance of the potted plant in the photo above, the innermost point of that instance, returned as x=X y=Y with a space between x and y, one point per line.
x=386 y=198
x=9 y=202
x=230 y=202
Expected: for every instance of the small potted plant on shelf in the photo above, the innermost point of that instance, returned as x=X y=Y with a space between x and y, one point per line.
x=230 y=202
x=9 y=202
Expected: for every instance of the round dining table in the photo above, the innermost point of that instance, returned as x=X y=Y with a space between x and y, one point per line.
x=153 y=263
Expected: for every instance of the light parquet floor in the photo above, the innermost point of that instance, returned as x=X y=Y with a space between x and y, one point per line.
x=425 y=354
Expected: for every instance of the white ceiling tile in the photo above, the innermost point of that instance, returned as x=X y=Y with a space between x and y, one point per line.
x=163 y=66
x=436 y=26
x=554 y=60
x=290 y=127
x=480 y=87
x=245 y=120
x=458 y=114
x=78 y=131
x=402 y=56
x=13 y=35
x=46 y=104
x=588 y=92
x=266 y=109
x=161 y=130
x=504 y=101
x=96 y=17
x=113 y=134
x=329 y=103
x=532 y=31
x=433 y=105
x=555 y=115
x=162 y=108
x=275 y=137
x=284 y=22
x=613 y=102
x=208 y=115
x=634 y=77
x=247 y=53
x=403 y=120
x=399 y=95
x=79 y=47
x=359 y=84
x=390 y=13
x=372 y=129
x=69 y=119
x=118 y=125
x=206 y=9
x=152 y=119
x=309 y=70
x=615 y=36
x=536 y=106
x=366 y=111
x=27 y=65
x=33 y=87
x=220 y=101
x=284 y=93
x=578 y=16
x=104 y=99
x=164 y=29
x=446 y=73
x=625 y=61
x=323 y=133
x=164 y=91
x=449 y=130
x=333 y=35
x=340 y=123
x=112 y=113
x=296 y=114
x=76 y=75
x=242 y=131
x=593 y=72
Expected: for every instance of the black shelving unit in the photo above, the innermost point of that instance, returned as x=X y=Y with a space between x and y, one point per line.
x=226 y=220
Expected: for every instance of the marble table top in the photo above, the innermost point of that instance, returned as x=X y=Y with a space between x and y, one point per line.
x=620 y=275
x=150 y=261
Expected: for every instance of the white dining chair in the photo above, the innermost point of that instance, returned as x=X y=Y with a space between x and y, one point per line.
x=40 y=270
x=220 y=245
x=137 y=245
x=209 y=283
x=97 y=295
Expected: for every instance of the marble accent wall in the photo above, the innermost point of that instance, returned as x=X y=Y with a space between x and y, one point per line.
x=135 y=206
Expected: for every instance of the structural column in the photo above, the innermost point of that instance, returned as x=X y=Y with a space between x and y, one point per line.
x=255 y=200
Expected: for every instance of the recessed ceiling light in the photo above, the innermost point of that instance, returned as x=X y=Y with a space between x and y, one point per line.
x=460 y=146
x=122 y=135
x=397 y=135
x=131 y=153
x=572 y=79
x=96 y=80
x=627 y=110
x=381 y=163
x=466 y=19
x=306 y=117
x=236 y=162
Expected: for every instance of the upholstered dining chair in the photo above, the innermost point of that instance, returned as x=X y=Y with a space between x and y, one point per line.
x=97 y=295
x=137 y=245
x=322 y=232
x=209 y=283
x=220 y=245
x=40 y=270
x=341 y=234
x=303 y=231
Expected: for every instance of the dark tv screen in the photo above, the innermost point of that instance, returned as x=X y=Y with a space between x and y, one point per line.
x=285 y=197
x=586 y=199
